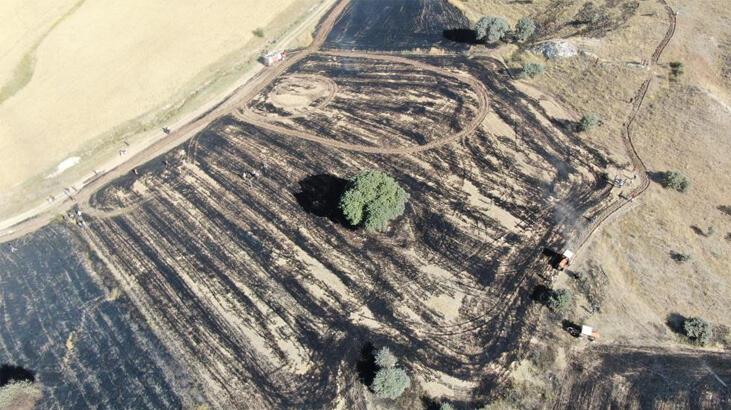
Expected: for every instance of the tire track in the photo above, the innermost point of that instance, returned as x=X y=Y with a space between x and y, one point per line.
x=637 y=162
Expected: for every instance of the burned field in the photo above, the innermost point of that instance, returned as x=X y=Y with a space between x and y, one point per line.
x=364 y=101
x=235 y=253
x=232 y=250
x=395 y=25
x=78 y=337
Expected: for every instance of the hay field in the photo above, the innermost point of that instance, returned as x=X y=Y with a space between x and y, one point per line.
x=76 y=76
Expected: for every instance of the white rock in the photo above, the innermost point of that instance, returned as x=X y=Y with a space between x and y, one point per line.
x=557 y=49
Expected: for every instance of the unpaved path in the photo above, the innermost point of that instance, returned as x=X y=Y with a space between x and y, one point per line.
x=638 y=164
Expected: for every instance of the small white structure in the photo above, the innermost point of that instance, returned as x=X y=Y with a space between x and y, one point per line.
x=566 y=257
x=273 y=57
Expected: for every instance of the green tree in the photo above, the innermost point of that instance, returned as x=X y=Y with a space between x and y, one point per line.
x=559 y=300
x=698 y=330
x=588 y=122
x=532 y=70
x=675 y=180
x=524 y=28
x=259 y=32
x=385 y=359
x=390 y=382
x=373 y=198
x=491 y=29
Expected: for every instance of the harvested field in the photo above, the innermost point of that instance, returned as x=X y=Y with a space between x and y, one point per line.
x=71 y=85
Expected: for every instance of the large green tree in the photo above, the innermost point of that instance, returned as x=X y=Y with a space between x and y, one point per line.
x=373 y=198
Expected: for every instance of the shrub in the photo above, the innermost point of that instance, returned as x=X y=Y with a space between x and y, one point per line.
x=259 y=32
x=524 y=29
x=491 y=29
x=390 y=383
x=698 y=330
x=588 y=122
x=680 y=257
x=675 y=180
x=373 y=198
x=385 y=359
x=559 y=300
x=532 y=70
x=676 y=69
x=446 y=406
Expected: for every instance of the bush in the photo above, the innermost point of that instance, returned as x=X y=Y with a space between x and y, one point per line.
x=491 y=29
x=679 y=257
x=385 y=359
x=532 y=70
x=588 y=122
x=390 y=383
x=446 y=406
x=675 y=180
x=559 y=300
x=259 y=32
x=373 y=198
x=698 y=330
x=676 y=69
x=524 y=29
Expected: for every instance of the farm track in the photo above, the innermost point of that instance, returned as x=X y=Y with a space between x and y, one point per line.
x=638 y=164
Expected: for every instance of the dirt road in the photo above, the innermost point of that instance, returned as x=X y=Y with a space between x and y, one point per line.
x=639 y=166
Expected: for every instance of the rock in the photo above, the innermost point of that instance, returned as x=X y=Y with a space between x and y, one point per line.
x=557 y=49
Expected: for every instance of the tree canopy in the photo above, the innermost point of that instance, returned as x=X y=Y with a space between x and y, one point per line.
x=373 y=198
x=491 y=29
x=390 y=382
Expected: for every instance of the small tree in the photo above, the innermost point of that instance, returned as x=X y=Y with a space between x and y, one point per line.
x=559 y=300
x=259 y=32
x=373 y=198
x=491 y=29
x=532 y=70
x=390 y=383
x=385 y=359
x=675 y=180
x=588 y=122
x=676 y=69
x=524 y=29
x=698 y=330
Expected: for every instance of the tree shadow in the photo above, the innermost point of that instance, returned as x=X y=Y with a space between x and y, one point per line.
x=461 y=35
x=429 y=403
x=657 y=177
x=540 y=294
x=11 y=373
x=674 y=322
x=320 y=195
x=366 y=366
